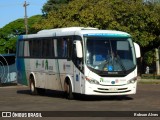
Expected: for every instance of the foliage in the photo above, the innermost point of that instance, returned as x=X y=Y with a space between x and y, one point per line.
x=10 y=32
x=8 y=35
x=141 y=20
x=53 y=5
x=33 y=20
x=149 y=57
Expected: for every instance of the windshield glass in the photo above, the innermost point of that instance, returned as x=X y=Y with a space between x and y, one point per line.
x=110 y=54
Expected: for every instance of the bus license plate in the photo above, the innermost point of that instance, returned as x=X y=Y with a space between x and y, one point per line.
x=113 y=89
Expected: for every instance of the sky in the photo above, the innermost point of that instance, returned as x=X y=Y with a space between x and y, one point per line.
x=11 y=10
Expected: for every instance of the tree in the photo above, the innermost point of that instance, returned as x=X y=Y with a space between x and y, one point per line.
x=53 y=5
x=32 y=21
x=9 y=33
x=141 y=20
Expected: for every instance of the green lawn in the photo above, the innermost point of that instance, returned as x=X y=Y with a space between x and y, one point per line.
x=149 y=81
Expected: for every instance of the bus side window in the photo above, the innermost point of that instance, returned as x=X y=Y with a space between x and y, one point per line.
x=69 y=47
x=62 y=47
x=37 y=48
x=34 y=48
x=52 y=48
x=55 y=47
x=46 y=47
x=31 y=48
x=59 y=48
x=26 y=49
x=21 y=50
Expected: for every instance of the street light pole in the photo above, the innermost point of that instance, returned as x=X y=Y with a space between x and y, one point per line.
x=25 y=17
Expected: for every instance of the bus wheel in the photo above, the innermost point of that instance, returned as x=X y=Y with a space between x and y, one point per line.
x=68 y=90
x=33 y=89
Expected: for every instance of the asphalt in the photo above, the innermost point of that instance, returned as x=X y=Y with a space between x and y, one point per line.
x=140 y=81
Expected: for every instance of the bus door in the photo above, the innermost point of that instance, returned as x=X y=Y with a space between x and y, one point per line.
x=77 y=70
x=77 y=80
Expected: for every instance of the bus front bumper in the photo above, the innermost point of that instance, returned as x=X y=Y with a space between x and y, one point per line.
x=91 y=89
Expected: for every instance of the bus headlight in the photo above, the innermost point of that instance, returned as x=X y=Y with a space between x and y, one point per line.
x=133 y=80
x=92 y=81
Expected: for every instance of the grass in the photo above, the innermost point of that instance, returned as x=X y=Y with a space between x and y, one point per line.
x=149 y=81
x=150 y=76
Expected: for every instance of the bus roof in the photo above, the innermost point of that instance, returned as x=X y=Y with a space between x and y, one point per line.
x=68 y=29
x=86 y=31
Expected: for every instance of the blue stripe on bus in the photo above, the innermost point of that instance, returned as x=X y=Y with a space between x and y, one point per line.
x=20 y=37
x=106 y=35
x=21 y=73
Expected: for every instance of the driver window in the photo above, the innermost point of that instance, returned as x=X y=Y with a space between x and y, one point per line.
x=77 y=61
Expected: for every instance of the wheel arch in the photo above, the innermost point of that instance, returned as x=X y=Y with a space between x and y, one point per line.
x=67 y=79
x=34 y=78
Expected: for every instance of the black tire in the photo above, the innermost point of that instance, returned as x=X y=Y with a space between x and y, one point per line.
x=68 y=90
x=33 y=89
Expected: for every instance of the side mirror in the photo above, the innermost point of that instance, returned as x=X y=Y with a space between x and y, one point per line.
x=137 y=50
x=79 y=49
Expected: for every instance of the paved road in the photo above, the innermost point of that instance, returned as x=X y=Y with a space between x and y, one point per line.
x=18 y=98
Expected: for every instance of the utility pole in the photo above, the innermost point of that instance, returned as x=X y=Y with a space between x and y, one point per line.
x=25 y=17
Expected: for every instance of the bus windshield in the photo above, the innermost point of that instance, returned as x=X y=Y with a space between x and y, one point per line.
x=110 y=54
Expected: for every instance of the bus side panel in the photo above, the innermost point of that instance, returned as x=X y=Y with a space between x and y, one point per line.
x=52 y=80
x=21 y=74
x=64 y=68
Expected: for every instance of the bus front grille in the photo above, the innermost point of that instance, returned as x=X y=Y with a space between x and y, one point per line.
x=112 y=91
